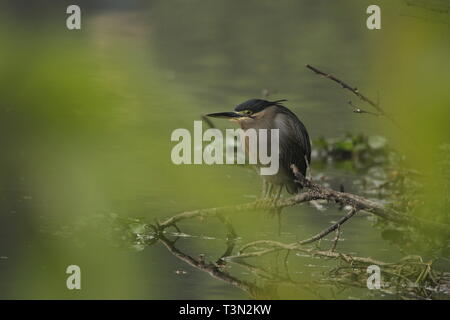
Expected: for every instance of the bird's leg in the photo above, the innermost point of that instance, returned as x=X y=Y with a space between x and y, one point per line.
x=266 y=200
x=277 y=211
x=273 y=209
x=278 y=194
x=260 y=203
x=274 y=195
x=269 y=191
x=264 y=188
x=270 y=197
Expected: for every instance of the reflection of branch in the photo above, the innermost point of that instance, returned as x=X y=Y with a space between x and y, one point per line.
x=270 y=279
x=210 y=268
x=278 y=278
x=277 y=246
x=399 y=275
x=216 y=269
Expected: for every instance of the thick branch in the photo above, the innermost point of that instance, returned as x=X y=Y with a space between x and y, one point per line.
x=313 y=191
x=360 y=203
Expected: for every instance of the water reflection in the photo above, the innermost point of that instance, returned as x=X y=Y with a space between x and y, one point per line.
x=259 y=280
x=265 y=282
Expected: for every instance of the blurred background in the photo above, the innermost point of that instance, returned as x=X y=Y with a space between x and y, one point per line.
x=86 y=117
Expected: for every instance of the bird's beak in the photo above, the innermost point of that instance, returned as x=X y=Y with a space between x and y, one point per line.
x=225 y=115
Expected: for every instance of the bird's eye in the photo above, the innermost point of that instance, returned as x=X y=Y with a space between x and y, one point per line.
x=248 y=112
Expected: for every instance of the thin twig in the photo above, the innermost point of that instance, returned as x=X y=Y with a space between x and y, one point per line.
x=336 y=239
x=277 y=246
x=331 y=228
x=314 y=238
x=344 y=85
x=356 y=92
x=357 y=109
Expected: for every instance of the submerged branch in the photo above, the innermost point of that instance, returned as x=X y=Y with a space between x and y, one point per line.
x=330 y=229
x=312 y=239
x=275 y=246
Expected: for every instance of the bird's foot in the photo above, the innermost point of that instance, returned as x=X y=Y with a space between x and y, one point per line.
x=267 y=204
x=261 y=203
x=272 y=206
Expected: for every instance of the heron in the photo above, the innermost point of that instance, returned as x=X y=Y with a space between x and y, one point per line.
x=294 y=142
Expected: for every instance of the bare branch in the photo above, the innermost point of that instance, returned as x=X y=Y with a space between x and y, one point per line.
x=277 y=246
x=336 y=239
x=317 y=191
x=356 y=109
x=356 y=92
x=313 y=191
x=330 y=229
x=314 y=238
x=344 y=85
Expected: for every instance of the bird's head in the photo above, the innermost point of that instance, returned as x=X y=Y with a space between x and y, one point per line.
x=250 y=109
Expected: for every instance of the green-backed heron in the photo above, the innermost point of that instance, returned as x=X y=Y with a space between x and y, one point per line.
x=294 y=144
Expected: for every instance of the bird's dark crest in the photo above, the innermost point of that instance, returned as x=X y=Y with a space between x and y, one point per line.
x=257 y=105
